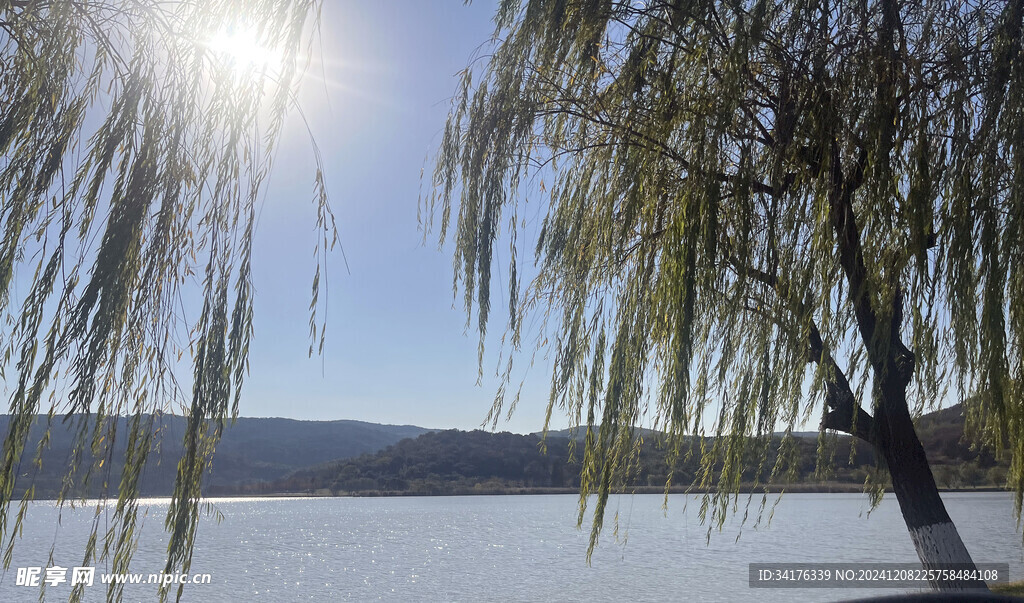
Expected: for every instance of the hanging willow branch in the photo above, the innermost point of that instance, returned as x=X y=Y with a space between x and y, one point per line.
x=133 y=159
x=750 y=207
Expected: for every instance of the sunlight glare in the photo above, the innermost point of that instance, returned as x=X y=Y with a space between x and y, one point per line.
x=242 y=48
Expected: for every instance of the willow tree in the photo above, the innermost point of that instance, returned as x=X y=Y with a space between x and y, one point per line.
x=135 y=139
x=754 y=210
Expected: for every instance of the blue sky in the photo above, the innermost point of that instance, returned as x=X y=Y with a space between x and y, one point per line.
x=398 y=350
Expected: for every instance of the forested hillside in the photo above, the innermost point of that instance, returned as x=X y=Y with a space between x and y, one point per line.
x=260 y=456
x=459 y=462
x=252 y=449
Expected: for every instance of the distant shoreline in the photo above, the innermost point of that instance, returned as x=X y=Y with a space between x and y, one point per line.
x=833 y=488
x=791 y=489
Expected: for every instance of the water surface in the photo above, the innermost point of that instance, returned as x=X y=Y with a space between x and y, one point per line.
x=510 y=548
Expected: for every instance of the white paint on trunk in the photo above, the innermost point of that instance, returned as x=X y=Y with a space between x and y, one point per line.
x=939 y=545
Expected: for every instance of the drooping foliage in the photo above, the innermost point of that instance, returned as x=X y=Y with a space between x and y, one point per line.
x=134 y=152
x=748 y=206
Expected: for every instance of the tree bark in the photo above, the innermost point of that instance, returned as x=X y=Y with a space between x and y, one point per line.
x=892 y=433
x=935 y=537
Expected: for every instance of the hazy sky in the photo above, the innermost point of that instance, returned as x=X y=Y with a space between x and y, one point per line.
x=397 y=346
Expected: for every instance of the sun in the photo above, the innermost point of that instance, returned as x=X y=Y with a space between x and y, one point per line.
x=244 y=51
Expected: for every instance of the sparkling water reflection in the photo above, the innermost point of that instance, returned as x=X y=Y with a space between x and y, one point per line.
x=503 y=548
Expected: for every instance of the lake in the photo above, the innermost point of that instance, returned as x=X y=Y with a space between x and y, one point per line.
x=508 y=548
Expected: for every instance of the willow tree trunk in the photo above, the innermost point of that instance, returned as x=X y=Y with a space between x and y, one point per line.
x=892 y=431
x=936 y=539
